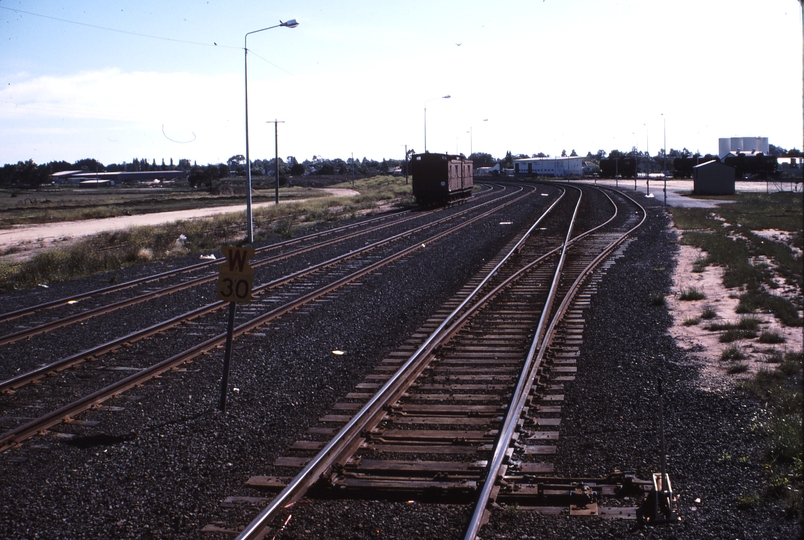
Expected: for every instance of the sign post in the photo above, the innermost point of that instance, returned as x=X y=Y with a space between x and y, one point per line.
x=234 y=285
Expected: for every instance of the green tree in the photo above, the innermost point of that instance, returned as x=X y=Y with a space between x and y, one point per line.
x=326 y=168
x=297 y=169
x=90 y=165
x=481 y=159
x=508 y=160
x=237 y=163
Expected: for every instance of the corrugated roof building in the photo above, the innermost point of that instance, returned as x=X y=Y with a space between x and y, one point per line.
x=713 y=178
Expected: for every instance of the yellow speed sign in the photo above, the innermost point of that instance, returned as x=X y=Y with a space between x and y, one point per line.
x=236 y=276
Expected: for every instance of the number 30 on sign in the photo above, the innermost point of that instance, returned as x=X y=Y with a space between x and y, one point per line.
x=236 y=276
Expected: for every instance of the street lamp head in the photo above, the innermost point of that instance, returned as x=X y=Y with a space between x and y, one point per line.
x=292 y=23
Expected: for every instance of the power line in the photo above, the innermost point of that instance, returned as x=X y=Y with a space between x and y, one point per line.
x=213 y=44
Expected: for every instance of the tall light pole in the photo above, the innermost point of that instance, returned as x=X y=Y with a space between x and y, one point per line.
x=249 y=217
x=471 y=149
x=664 y=156
x=425 y=118
x=648 y=165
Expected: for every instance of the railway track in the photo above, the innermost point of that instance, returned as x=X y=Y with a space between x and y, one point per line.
x=468 y=407
x=265 y=255
x=307 y=253
x=139 y=351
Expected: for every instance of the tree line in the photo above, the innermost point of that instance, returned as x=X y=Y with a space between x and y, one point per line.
x=30 y=175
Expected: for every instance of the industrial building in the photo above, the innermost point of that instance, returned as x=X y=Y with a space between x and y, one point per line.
x=735 y=145
x=95 y=178
x=549 y=166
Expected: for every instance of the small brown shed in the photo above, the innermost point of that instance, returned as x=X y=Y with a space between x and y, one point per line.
x=713 y=178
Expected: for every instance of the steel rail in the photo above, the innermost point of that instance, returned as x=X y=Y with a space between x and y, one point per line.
x=343 y=439
x=15 y=436
x=533 y=361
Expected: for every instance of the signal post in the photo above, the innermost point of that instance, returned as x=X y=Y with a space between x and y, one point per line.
x=234 y=285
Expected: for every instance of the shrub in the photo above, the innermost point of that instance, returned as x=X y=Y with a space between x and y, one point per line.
x=782 y=308
x=737 y=367
x=749 y=323
x=692 y=321
x=716 y=327
x=732 y=353
x=691 y=294
x=733 y=334
x=790 y=367
x=771 y=336
x=657 y=299
x=774 y=357
x=708 y=313
x=699 y=265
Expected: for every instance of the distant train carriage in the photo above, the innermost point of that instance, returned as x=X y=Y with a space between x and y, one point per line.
x=441 y=178
x=682 y=166
x=753 y=165
x=618 y=167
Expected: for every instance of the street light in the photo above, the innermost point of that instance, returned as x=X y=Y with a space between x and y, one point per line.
x=648 y=166
x=425 y=118
x=664 y=156
x=471 y=149
x=249 y=219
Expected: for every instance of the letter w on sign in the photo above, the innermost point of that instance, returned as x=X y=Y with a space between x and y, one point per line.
x=237 y=258
x=236 y=276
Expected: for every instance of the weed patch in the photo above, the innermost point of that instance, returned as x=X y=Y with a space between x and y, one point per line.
x=708 y=313
x=736 y=334
x=771 y=336
x=732 y=353
x=692 y=294
x=780 y=390
x=737 y=367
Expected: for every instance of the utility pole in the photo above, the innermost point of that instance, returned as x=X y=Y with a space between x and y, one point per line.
x=276 y=153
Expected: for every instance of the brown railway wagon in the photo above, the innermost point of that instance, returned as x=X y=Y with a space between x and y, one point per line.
x=441 y=178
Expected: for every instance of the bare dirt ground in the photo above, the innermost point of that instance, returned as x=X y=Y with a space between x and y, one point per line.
x=28 y=240
x=706 y=344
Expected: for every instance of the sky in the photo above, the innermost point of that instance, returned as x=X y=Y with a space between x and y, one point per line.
x=116 y=80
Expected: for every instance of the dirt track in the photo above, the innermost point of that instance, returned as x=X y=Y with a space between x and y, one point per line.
x=36 y=237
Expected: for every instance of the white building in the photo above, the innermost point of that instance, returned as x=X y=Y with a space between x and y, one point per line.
x=549 y=166
x=745 y=144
